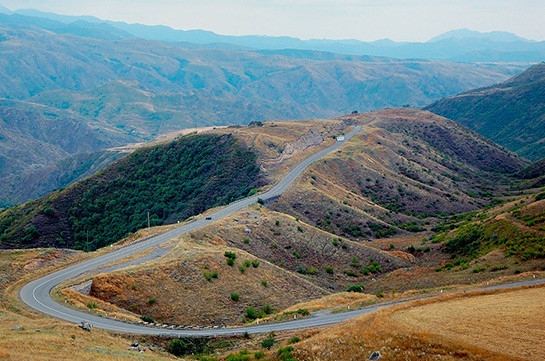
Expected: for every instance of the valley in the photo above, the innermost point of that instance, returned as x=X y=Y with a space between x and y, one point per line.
x=246 y=265
x=178 y=194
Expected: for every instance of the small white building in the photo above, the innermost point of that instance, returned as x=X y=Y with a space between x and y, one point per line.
x=340 y=138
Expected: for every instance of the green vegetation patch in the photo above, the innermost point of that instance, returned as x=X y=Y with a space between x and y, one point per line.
x=172 y=182
x=473 y=240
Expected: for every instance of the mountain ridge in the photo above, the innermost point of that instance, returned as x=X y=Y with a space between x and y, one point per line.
x=455 y=45
x=511 y=113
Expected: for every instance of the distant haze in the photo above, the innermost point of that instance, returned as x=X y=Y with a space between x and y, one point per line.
x=368 y=20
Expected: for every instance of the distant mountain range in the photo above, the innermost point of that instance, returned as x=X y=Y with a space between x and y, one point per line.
x=458 y=45
x=511 y=113
x=83 y=85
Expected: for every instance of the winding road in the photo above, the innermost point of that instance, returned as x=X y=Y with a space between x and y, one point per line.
x=37 y=294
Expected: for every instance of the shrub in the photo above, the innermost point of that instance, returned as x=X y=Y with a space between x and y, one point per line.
x=264 y=283
x=380 y=293
x=246 y=240
x=356 y=288
x=350 y=273
x=540 y=196
x=267 y=309
x=285 y=353
x=329 y=270
x=277 y=222
x=147 y=319
x=303 y=312
x=241 y=356
x=250 y=313
x=335 y=242
x=300 y=229
x=305 y=271
x=247 y=263
x=478 y=269
x=293 y=340
x=242 y=268
x=92 y=305
x=255 y=263
x=235 y=296
x=392 y=246
x=232 y=255
x=498 y=268
x=259 y=355
x=260 y=201
x=231 y=261
x=210 y=275
x=177 y=347
x=152 y=300
x=268 y=343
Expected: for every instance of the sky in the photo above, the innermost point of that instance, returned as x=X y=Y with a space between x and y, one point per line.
x=367 y=20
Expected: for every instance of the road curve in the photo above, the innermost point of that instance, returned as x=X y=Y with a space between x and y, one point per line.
x=37 y=294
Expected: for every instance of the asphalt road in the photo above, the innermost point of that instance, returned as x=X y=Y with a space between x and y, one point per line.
x=37 y=294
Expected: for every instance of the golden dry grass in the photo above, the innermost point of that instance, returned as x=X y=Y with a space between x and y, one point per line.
x=450 y=328
x=511 y=323
x=58 y=340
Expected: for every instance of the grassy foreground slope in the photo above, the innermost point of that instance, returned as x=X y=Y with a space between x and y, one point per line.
x=511 y=113
x=172 y=182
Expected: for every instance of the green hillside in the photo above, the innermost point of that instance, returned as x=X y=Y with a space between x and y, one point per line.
x=171 y=181
x=511 y=113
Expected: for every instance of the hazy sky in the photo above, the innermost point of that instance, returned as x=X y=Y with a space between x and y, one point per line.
x=399 y=20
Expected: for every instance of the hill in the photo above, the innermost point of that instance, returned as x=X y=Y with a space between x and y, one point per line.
x=511 y=113
x=407 y=169
x=32 y=136
x=172 y=182
x=32 y=184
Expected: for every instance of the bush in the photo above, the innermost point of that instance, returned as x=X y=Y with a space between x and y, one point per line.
x=251 y=314
x=356 y=288
x=329 y=270
x=255 y=263
x=247 y=263
x=259 y=355
x=540 y=196
x=177 y=347
x=210 y=275
x=264 y=283
x=231 y=261
x=293 y=340
x=147 y=319
x=241 y=356
x=92 y=305
x=268 y=343
x=235 y=296
x=242 y=268
x=285 y=354
x=380 y=293
x=478 y=269
x=246 y=240
x=152 y=300
x=229 y=255
x=267 y=309
x=350 y=273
